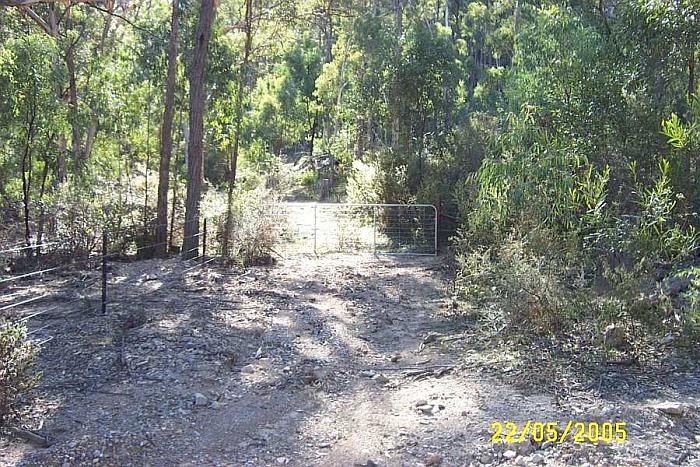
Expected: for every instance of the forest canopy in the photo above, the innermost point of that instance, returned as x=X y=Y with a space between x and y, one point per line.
x=555 y=138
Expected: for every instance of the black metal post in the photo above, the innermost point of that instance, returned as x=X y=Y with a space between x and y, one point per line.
x=104 y=272
x=204 y=241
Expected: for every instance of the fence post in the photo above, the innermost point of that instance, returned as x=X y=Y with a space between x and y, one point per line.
x=436 y=230
x=104 y=271
x=315 y=206
x=374 y=229
x=204 y=240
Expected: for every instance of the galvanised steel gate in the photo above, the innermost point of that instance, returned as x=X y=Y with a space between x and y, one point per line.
x=395 y=229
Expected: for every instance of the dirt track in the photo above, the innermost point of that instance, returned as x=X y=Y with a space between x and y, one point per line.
x=316 y=361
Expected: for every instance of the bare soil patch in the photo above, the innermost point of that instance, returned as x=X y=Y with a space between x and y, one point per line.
x=336 y=360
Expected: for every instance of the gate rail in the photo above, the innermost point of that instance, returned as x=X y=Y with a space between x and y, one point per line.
x=389 y=229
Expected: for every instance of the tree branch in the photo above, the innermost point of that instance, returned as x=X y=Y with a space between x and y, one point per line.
x=11 y=3
x=37 y=19
x=116 y=15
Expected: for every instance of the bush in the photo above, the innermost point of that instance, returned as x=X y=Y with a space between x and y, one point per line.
x=16 y=361
x=529 y=290
x=255 y=229
x=544 y=224
x=309 y=181
x=364 y=184
x=659 y=232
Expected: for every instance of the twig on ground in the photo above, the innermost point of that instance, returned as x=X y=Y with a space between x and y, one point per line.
x=111 y=393
x=122 y=354
x=412 y=367
x=29 y=436
x=455 y=338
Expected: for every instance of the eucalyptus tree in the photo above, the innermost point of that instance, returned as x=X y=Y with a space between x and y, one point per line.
x=166 y=136
x=195 y=149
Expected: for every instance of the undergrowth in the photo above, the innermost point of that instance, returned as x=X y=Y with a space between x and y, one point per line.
x=17 y=355
x=548 y=248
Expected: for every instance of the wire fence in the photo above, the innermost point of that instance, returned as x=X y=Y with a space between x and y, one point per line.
x=18 y=307
x=394 y=229
x=391 y=229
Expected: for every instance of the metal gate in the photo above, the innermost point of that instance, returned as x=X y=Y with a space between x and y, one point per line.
x=394 y=229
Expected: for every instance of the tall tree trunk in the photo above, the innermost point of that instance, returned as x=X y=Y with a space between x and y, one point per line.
x=312 y=135
x=691 y=70
x=446 y=93
x=27 y=168
x=146 y=230
x=360 y=141
x=42 y=191
x=330 y=39
x=447 y=13
x=395 y=123
x=195 y=147
x=226 y=246
x=166 y=138
x=73 y=102
x=185 y=138
x=61 y=171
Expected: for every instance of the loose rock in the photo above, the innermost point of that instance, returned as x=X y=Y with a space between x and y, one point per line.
x=200 y=400
x=615 y=337
x=247 y=369
x=670 y=408
x=380 y=378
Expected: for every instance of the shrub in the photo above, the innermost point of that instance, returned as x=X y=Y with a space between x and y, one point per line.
x=255 y=228
x=689 y=309
x=528 y=289
x=16 y=361
x=363 y=183
x=309 y=181
x=658 y=232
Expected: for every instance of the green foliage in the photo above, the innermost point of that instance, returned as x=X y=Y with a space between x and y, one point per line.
x=363 y=184
x=535 y=123
x=17 y=355
x=526 y=288
x=690 y=309
x=658 y=232
x=309 y=181
x=677 y=133
x=577 y=113
x=255 y=230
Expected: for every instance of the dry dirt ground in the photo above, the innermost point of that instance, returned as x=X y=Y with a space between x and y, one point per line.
x=313 y=361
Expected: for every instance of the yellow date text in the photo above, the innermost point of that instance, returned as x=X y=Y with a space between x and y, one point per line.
x=559 y=432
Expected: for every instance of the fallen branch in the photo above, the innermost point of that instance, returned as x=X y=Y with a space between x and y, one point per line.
x=29 y=436
x=430 y=338
x=427 y=373
x=275 y=252
x=413 y=367
x=122 y=354
x=110 y=393
x=455 y=338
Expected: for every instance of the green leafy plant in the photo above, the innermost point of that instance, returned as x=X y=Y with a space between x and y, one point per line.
x=678 y=134
x=658 y=232
x=17 y=355
x=255 y=228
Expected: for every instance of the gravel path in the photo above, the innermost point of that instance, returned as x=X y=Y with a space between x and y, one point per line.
x=337 y=360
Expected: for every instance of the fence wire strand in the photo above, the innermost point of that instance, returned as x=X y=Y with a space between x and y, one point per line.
x=85 y=290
